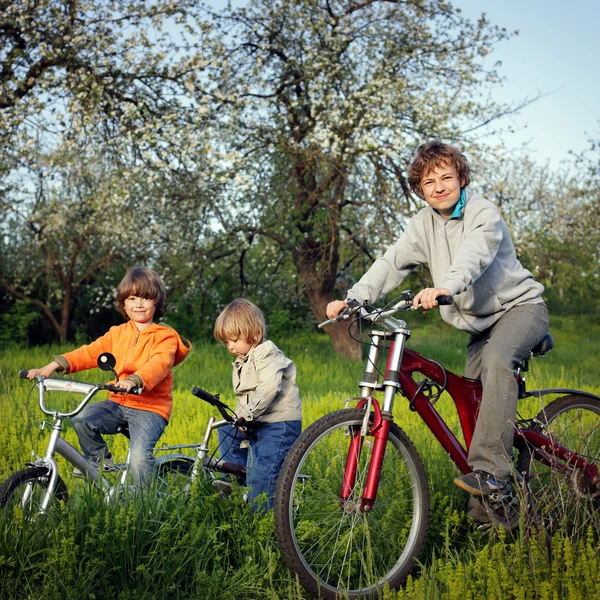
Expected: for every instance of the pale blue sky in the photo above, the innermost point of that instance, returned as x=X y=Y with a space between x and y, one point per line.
x=558 y=48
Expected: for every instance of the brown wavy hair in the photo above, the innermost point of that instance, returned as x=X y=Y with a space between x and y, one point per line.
x=145 y=283
x=241 y=320
x=433 y=155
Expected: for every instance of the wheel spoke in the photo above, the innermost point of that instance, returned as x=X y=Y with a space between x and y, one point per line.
x=336 y=545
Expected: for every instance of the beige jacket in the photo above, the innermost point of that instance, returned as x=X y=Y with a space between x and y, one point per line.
x=264 y=382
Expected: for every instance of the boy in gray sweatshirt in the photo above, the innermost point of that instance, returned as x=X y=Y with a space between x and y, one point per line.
x=466 y=244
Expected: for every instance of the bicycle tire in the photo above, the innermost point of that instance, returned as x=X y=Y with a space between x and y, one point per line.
x=340 y=551
x=175 y=473
x=565 y=500
x=25 y=490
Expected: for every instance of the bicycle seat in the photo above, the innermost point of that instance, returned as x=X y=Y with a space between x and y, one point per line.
x=544 y=346
x=124 y=429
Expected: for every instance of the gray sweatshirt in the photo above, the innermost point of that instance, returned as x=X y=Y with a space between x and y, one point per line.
x=264 y=382
x=472 y=256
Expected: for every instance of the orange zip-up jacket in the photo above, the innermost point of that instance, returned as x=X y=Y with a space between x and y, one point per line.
x=147 y=355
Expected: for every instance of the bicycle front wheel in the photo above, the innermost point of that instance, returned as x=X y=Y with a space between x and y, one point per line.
x=563 y=497
x=24 y=491
x=334 y=547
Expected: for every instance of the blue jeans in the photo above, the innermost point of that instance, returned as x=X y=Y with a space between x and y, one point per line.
x=145 y=428
x=267 y=447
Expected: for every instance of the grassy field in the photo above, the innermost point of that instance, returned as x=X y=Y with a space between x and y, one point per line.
x=213 y=548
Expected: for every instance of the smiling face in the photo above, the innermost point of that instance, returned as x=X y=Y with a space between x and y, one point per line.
x=140 y=310
x=441 y=188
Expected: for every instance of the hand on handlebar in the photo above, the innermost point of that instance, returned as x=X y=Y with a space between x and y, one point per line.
x=45 y=371
x=337 y=307
x=126 y=385
x=427 y=298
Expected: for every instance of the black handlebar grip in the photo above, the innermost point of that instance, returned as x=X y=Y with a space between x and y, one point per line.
x=445 y=300
x=23 y=374
x=203 y=395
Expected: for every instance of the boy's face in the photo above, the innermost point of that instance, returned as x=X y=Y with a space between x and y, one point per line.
x=441 y=189
x=140 y=310
x=238 y=347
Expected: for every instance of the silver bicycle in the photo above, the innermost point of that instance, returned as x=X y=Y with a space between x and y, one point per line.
x=39 y=487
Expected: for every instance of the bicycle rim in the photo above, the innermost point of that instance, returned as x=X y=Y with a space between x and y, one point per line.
x=24 y=491
x=562 y=495
x=174 y=475
x=333 y=546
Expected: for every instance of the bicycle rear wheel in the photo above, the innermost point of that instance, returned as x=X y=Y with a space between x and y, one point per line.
x=174 y=474
x=25 y=490
x=563 y=497
x=335 y=548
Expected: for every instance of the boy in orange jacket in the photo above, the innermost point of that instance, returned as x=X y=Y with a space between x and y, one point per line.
x=145 y=353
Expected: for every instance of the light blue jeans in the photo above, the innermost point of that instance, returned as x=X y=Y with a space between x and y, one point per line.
x=145 y=428
x=267 y=447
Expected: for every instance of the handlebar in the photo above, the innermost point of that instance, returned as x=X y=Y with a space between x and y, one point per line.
x=378 y=315
x=75 y=387
x=224 y=410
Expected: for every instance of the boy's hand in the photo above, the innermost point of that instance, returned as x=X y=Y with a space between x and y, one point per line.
x=126 y=385
x=427 y=298
x=335 y=308
x=44 y=371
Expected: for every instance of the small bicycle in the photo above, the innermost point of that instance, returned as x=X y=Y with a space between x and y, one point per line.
x=352 y=498
x=180 y=471
x=39 y=487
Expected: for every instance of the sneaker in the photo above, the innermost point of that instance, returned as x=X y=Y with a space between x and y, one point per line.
x=223 y=487
x=108 y=466
x=480 y=483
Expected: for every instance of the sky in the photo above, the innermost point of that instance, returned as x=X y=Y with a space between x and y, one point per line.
x=556 y=54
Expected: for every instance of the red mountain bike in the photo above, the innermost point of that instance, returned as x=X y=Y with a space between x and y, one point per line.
x=352 y=500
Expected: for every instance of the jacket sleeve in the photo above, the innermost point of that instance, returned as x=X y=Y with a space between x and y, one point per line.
x=270 y=368
x=478 y=249
x=86 y=357
x=160 y=362
x=388 y=271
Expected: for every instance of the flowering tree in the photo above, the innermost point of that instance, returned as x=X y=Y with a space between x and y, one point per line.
x=320 y=104
x=93 y=119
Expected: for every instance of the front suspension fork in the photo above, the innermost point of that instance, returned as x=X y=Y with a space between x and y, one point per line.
x=379 y=429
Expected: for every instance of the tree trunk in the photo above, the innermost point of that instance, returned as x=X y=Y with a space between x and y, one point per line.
x=343 y=344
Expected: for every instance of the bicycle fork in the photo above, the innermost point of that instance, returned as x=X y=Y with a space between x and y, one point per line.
x=377 y=423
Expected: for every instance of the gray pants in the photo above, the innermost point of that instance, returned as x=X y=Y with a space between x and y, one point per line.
x=490 y=357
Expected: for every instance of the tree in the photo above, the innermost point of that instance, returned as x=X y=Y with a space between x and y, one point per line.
x=93 y=120
x=320 y=105
x=555 y=222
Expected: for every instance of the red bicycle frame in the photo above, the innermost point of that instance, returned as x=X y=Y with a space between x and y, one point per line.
x=466 y=394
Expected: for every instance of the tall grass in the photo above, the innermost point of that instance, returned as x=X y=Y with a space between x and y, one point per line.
x=149 y=547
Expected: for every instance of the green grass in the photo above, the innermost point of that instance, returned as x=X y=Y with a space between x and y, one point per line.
x=210 y=548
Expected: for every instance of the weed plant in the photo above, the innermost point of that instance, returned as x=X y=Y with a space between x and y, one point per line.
x=146 y=546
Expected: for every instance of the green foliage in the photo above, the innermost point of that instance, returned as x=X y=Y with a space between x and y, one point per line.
x=149 y=547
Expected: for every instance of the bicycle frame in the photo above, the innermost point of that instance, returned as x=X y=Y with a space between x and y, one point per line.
x=202 y=460
x=401 y=365
x=57 y=445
